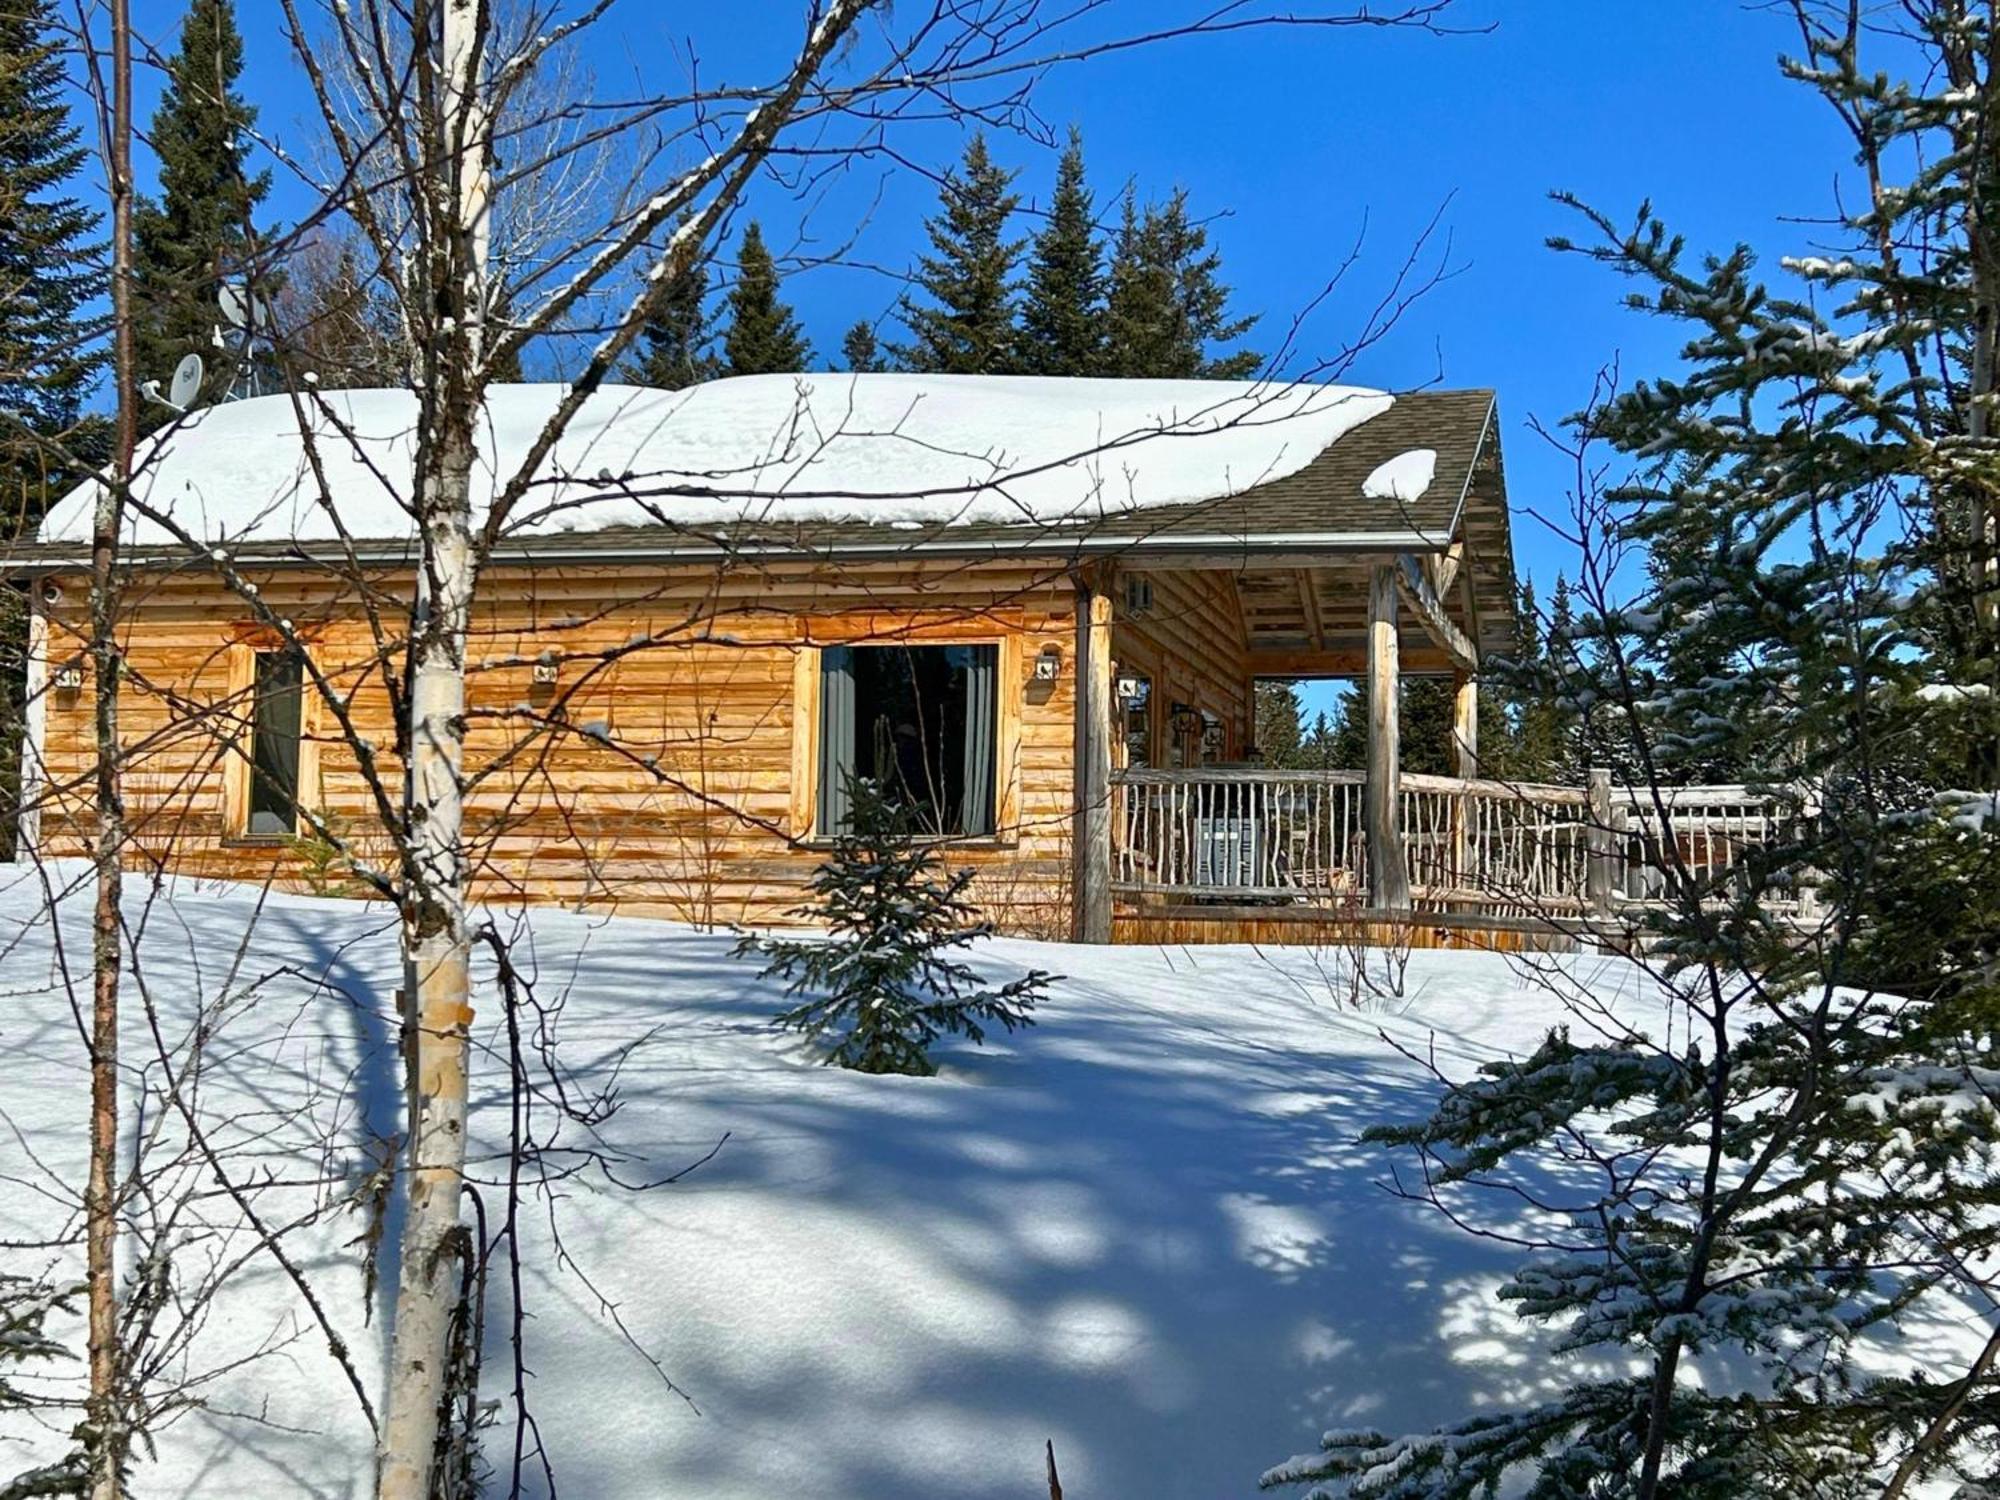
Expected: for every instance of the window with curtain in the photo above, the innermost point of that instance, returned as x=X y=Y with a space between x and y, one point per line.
x=919 y=721
x=274 y=745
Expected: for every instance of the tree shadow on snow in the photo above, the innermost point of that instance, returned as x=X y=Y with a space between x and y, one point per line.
x=1137 y=1229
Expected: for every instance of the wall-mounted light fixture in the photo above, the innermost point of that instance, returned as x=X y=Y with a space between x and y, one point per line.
x=545 y=671
x=68 y=677
x=1048 y=665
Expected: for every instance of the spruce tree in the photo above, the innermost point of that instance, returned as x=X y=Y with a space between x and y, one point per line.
x=1320 y=750
x=197 y=234
x=1277 y=732
x=965 y=324
x=1530 y=727
x=1167 y=306
x=1424 y=710
x=887 y=982
x=858 y=348
x=1792 y=1151
x=763 y=337
x=26 y=1309
x=45 y=267
x=1062 y=311
x=675 y=342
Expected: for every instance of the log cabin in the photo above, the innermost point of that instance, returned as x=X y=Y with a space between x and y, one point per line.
x=1024 y=602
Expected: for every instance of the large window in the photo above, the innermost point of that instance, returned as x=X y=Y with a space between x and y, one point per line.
x=919 y=721
x=274 y=746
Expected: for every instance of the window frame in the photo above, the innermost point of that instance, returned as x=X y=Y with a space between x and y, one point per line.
x=239 y=764
x=1004 y=630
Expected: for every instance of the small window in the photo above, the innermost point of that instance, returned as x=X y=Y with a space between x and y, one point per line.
x=274 y=746
x=920 y=722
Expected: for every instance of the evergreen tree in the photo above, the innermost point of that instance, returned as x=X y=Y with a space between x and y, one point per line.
x=763 y=337
x=1694 y=662
x=1796 y=1156
x=1426 y=727
x=1277 y=733
x=966 y=325
x=45 y=266
x=1539 y=676
x=47 y=277
x=1321 y=750
x=858 y=348
x=1062 y=313
x=25 y=1310
x=675 y=342
x=886 y=983
x=197 y=235
x=1424 y=708
x=1167 y=305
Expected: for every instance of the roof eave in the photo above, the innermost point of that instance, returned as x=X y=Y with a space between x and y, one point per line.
x=47 y=559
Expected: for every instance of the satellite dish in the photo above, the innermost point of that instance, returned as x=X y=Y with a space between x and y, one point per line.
x=235 y=303
x=187 y=382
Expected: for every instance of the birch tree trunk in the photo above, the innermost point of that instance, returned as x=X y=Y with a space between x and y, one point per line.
x=437 y=940
x=107 y=1445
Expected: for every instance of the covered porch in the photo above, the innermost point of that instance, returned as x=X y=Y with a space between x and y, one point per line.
x=1181 y=821
x=1183 y=833
x=1390 y=555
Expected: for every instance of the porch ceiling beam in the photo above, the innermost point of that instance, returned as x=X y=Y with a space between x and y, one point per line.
x=1356 y=561
x=1429 y=609
x=1274 y=661
x=1309 y=602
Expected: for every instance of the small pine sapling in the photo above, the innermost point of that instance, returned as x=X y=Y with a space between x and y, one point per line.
x=886 y=983
x=25 y=1307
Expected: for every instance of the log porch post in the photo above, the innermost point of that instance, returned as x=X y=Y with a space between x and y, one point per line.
x=1465 y=766
x=1465 y=727
x=1090 y=841
x=1388 y=874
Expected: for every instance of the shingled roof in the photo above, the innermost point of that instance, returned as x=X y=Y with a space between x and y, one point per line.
x=1319 y=509
x=1323 y=508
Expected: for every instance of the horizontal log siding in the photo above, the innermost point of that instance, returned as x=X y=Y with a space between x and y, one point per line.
x=574 y=820
x=1191 y=645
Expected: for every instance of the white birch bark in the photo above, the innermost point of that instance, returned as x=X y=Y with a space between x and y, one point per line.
x=437 y=938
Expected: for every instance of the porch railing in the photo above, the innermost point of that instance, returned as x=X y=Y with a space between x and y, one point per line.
x=1501 y=848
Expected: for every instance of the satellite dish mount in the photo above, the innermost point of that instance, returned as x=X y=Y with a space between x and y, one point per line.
x=185 y=388
x=249 y=324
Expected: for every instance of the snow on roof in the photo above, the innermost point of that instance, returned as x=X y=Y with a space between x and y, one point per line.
x=1404 y=477
x=764 y=448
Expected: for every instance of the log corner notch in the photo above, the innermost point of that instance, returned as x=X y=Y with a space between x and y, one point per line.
x=1090 y=882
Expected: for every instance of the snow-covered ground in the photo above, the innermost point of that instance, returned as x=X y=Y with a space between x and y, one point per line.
x=1143 y=1229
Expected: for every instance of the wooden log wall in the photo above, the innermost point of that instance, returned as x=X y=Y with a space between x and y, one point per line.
x=1192 y=647
x=655 y=776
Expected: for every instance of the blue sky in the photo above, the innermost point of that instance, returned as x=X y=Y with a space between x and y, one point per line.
x=1301 y=137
